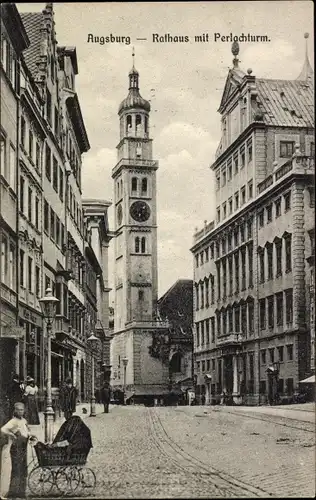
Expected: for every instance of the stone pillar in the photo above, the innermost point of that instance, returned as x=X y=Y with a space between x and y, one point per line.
x=235 y=375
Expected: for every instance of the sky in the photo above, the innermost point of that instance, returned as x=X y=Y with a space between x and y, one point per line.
x=184 y=83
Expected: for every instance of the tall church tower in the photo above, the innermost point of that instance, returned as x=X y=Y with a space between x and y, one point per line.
x=135 y=326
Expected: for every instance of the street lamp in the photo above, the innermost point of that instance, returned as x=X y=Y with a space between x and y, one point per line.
x=48 y=305
x=92 y=340
x=124 y=361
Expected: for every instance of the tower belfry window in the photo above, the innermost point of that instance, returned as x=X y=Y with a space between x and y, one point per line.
x=144 y=186
x=143 y=244
x=146 y=125
x=138 y=123
x=128 y=123
x=134 y=184
x=137 y=244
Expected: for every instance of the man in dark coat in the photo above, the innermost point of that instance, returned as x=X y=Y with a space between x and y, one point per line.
x=105 y=394
x=68 y=398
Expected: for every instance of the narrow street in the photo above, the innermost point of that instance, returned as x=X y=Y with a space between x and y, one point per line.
x=203 y=452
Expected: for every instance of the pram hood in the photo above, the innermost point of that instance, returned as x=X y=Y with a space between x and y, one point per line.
x=76 y=432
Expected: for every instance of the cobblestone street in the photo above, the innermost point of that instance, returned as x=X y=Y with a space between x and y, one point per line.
x=203 y=452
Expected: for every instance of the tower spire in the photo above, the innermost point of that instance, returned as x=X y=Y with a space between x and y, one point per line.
x=133 y=56
x=235 y=52
x=307 y=70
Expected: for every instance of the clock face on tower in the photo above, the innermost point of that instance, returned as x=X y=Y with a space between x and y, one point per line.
x=140 y=211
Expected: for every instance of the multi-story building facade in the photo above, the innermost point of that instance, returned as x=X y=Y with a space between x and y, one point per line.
x=97 y=239
x=14 y=41
x=136 y=325
x=252 y=335
x=176 y=308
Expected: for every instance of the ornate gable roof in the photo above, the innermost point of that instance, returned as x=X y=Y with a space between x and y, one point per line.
x=233 y=81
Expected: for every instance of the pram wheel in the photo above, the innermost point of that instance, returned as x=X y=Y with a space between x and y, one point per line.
x=67 y=480
x=41 y=481
x=87 y=480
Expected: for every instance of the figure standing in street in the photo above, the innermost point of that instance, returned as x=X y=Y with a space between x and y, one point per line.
x=14 y=456
x=68 y=398
x=30 y=399
x=105 y=396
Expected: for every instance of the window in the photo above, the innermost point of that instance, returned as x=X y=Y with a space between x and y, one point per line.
x=56 y=123
x=250 y=266
x=46 y=216
x=236 y=201
x=52 y=223
x=197 y=334
x=48 y=106
x=289 y=306
x=197 y=297
x=263 y=356
x=286 y=149
x=213 y=329
x=12 y=267
x=230 y=204
x=37 y=281
x=243 y=269
x=137 y=244
x=236 y=237
x=197 y=260
x=202 y=295
x=207 y=331
x=218 y=214
x=224 y=278
x=287 y=201
x=55 y=174
x=61 y=184
x=229 y=169
x=143 y=244
x=22 y=188
x=134 y=184
x=249 y=150
x=280 y=353
x=261 y=218
x=230 y=320
x=269 y=213
x=237 y=319
x=224 y=210
x=278 y=251
x=236 y=272
x=235 y=163
x=242 y=233
x=30 y=274
x=224 y=176
x=48 y=166
x=243 y=195
x=203 y=366
x=23 y=131
x=242 y=157
x=262 y=312
x=206 y=254
x=141 y=295
x=4 y=259
x=230 y=272
x=262 y=387
x=277 y=205
x=249 y=229
x=212 y=251
x=288 y=254
x=206 y=292
x=270 y=261
x=261 y=264
x=212 y=289
x=30 y=202
x=218 y=181
x=57 y=230
x=144 y=186
x=271 y=355
x=3 y=157
x=31 y=144
x=281 y=386
x=289 y=352
x=270 y=311
x=202 y=334
x=38 y=156
x=250 y=190
x=22 y=254
x=279 y=307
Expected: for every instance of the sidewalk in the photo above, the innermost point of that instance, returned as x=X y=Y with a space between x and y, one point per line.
x=303 y=412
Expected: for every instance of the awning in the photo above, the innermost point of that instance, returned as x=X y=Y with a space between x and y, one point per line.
x=308 y=380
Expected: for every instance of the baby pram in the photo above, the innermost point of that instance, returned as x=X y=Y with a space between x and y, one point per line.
x=61 y=465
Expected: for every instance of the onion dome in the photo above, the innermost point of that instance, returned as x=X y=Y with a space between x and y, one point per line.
x=134 y=99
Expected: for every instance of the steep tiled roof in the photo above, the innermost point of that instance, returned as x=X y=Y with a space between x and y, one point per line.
x=32 y=22
x=287 y=103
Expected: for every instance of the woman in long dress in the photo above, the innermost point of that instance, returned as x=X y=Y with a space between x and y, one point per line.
x=18 y=434
x=30 y=399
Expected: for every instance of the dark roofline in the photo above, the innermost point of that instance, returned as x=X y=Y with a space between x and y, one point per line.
x=165 y=295
x=13 y=23
x=74 y=110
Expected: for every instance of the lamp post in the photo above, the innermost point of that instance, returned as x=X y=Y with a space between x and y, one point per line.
x=276 y=368
x=124 y=361
x=48 y=305
x=92 y=340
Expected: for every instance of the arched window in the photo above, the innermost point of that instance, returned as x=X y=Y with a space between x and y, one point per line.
x=138 y=120
x=143 y=244
x=128 y=123
x=175 y=363
x=137 y=244
x=121 y=184
x=146 y=125
x=134 y=184
x=118 y=189
x=144 y=185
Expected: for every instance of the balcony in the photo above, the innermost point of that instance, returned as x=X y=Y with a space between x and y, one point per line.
x=229 y=339
x=203 y=232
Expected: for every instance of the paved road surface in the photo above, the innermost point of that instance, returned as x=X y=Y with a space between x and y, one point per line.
x=203 y=452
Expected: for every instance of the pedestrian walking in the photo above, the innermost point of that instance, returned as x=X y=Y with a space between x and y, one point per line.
x=30 y=400
x=14 y=454
x=105 y=394
x=68 y=398
x=15 y=393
